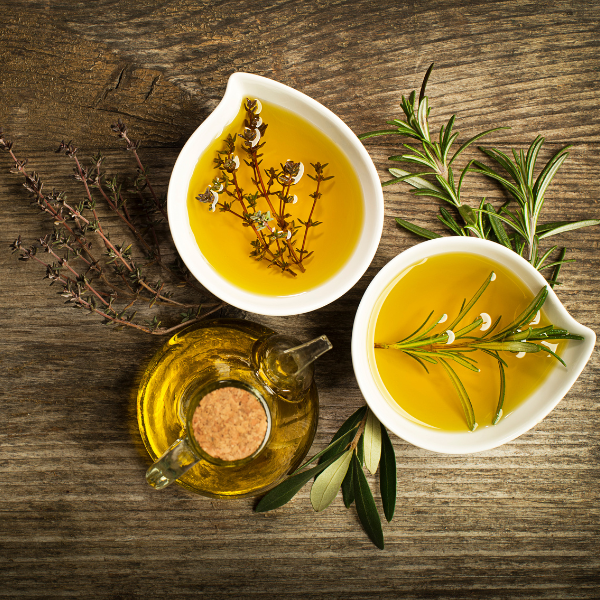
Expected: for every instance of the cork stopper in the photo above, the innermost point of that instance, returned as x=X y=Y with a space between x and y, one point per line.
x=229 y=423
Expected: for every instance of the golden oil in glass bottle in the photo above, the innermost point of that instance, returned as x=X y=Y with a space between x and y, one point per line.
x=228 y=355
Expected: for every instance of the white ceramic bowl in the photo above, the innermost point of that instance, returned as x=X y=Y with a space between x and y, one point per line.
x=523 y=418
x=240 y=86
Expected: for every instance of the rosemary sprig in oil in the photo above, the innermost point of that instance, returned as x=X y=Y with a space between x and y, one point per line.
x=455 y=345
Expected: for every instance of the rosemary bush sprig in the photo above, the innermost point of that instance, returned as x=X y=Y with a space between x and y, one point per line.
x=436 y=179
x=112 y=283
x=276 y=233
x=454 y=345
x=360 y=441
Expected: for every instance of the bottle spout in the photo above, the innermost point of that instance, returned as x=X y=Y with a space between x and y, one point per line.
x=288 y=366
x=296 y=359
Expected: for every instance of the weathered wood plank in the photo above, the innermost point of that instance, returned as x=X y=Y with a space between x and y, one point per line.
x=76 y=516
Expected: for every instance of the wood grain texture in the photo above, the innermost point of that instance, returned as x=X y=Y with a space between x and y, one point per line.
x=77 y=519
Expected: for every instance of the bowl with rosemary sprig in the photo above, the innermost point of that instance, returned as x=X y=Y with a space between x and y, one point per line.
x=274 y=204
x=459 y=345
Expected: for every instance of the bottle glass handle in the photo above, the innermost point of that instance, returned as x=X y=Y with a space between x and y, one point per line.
x=176 y=461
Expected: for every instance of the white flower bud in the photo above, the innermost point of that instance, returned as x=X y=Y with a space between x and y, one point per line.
x=300 y=173
x=256 y=139
x=487 y=321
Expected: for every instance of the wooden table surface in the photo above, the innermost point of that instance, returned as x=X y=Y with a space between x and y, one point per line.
x=77 y=519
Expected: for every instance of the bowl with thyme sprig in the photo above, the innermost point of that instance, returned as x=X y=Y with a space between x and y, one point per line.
x=274 y=204
x=460 y=345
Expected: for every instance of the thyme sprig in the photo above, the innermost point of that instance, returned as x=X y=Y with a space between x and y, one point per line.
x=454 y=345
x=437 y=179
x=112 y=283
x=275 y=229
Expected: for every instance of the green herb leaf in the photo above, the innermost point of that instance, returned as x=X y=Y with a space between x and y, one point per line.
x=468 y=214
x=372 y=442
x=462 y=395
x=424 y=84
x=286 y=490
x=360 y=450
x=417 y=182
x=335 y=446
x=565 y=226
x=473 y=139
x=497 y=226
x=348 y=488
x=426 y=233
x=353 y=420
x=502 y=392
x=509 y=346
x=327 y=484
x=365 y=505
x=388 y=475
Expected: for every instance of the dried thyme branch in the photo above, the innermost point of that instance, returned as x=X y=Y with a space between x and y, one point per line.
x=81 y=287
x=142 y=181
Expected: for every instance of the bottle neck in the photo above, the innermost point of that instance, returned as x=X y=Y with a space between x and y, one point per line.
x=287 y=365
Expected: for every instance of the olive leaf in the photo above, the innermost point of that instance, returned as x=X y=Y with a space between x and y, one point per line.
x=388 y=476
x=352 y=422
x=348 y=489
x=285 y=491
x=372 y=442
x=365 y=505
x=327 y=484
x=337 y=445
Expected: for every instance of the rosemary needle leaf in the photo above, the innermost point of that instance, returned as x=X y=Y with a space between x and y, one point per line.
x=372 y=442
x=473 y=139
x=327 y=484
x=426 y=233
x=546 y=230
x=365 y=505
x=462 y=394
x=527 y=314
x=467 y=307
x=510 y=346
x=417 y=182
x=364 y=136
x=497 y=226
x=352 y=421
x=549 y=351
x=502 y=391
x=286 y=490
x=388 y=478
x=348 y=489
x=424 y=84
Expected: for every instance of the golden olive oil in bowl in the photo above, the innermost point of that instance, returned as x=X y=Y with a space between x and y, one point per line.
x=459 y=345
x=289 y=216
x=224 y=240
x=434 y=285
